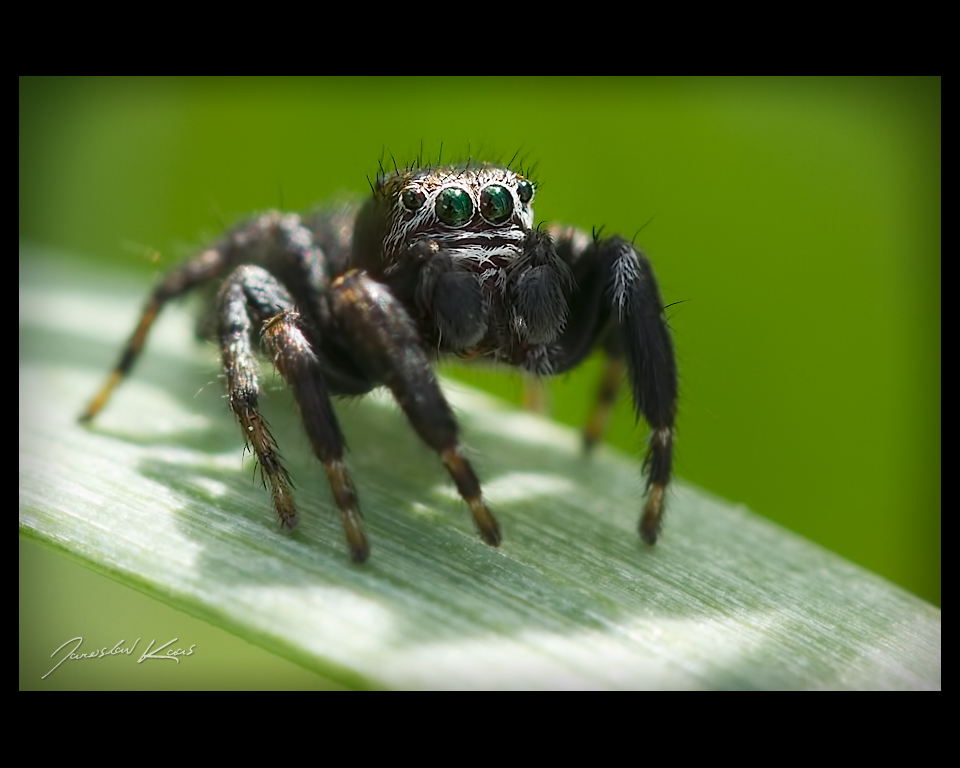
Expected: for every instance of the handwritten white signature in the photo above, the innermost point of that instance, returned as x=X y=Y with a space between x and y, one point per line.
x=118 y=649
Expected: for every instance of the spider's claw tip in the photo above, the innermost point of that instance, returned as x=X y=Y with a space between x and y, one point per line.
x=359 y=552
x=650 y=522
x=290 y=523
x=487 y=523
x=356 y=538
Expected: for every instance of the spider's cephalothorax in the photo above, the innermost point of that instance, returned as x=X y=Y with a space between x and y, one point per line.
x=438 y=260
x=457 y=246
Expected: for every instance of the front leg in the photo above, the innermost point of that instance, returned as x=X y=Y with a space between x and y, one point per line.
x=386 y=346
x=251 y=301
x=617 y=302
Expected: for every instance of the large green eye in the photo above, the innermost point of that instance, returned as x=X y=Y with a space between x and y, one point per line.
x=524 y=191
x=412 y=199
x=454 y=207
x=496 y=204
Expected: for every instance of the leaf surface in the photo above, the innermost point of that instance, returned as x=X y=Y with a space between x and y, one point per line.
x=158 y=495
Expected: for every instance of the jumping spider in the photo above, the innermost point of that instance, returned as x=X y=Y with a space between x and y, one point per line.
x=438 y=260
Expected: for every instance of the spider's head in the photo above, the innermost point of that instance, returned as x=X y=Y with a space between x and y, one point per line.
x=478 y=212
x=456 y=245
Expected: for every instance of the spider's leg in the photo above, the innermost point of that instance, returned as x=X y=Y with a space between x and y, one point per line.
x=207 y=265
x=606 y=397
x=386 y=346
x=534 y=394
x=618 y=302
x=238 y=317
x=253 y=299
x=275 y=240
x=590 y=326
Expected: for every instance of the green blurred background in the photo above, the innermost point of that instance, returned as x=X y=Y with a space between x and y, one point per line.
x=797 y=220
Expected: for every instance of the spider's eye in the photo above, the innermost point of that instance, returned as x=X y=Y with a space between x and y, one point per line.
x=496 y=204
x=524 y=191
x=412 y=199
x=454 y=207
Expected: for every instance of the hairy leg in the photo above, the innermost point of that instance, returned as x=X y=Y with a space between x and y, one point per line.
x=253 y=300
x=387 y=347
x=618 y=300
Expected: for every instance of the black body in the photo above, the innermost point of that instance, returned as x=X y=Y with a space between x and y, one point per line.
x=440 y=260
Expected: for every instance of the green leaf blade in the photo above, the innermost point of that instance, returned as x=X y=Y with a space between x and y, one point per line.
x=157 y=495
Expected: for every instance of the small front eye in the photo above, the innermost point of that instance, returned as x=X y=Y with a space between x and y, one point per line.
x=524 y=191
x=496 y=204
x=454 y=207
x=413 y=199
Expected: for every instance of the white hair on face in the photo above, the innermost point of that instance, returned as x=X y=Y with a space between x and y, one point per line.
x=465 y=241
